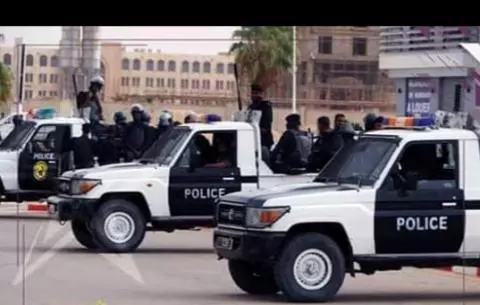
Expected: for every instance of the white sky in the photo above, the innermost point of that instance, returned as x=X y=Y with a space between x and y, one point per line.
x=51 y=36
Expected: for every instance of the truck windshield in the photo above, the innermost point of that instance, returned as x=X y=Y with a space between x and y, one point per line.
x=17 y=137
x=361 y=162
x=167 y=146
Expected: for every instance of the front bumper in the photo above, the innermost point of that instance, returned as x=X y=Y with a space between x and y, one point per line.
x=67 y=208
x=261 y=247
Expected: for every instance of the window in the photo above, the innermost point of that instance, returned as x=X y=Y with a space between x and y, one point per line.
x=43 y=61
x=219 y=85
x=172 y=66
x=171 y=83
x=434 y=166
x=230 y=68
x=359 y=47
x=125 y=81
x=28 y=77
x=206 y=67
x=136 y=64
x=42 y=78
x=53 y=78
x=325 y=44
x=43 y=132
x=7 y=59
x=208 y=148
x=206 y=84
x=149 y=82
x=150 y=65
x=125 y=64
x=160 y=65
x=196 y=67
x=136 y=82
x=184 y=83
x=185 y=66
x=230 y=85
x=195 y=84
x=29 y=60
x=303 y=73
x=54 y=61
x=53 y=93
x=28 y=94
x=220 y=68
x=160 y=83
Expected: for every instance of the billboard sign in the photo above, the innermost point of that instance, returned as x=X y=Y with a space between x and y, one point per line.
x=418 y=101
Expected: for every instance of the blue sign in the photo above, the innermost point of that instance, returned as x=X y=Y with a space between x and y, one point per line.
x=419 y=97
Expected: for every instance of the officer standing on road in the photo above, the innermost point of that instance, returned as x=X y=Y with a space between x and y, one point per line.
x=293 y=148
x=135 y=133
x=260 y=104
x=83 y=151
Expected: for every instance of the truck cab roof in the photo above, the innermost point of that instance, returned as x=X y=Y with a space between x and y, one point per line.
x=60 y=120
x=225 y=125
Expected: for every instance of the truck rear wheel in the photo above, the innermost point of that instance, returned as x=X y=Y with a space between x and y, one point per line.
x=119 y=226
x=311 y=268
x=82 y=234
x=252 y=279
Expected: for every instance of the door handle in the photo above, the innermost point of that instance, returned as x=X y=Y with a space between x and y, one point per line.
x=228 y=178
x=449 y=204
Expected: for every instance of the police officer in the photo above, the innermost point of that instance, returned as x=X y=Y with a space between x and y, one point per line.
x=91 y=100
x=191 y=118
x=165 y=122
x=151 y=131
x=116 y=136
x=373 y=122
x=135 y=133
x=293 y=149
x=260 y=104
x=326 y=145
x=83 y=149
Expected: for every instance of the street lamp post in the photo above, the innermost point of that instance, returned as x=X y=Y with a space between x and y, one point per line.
x=294 y=71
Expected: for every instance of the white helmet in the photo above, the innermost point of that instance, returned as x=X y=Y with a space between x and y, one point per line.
x=97 y=80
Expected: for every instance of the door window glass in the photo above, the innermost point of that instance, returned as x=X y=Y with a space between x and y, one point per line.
x=211 y=150
x=431 y=165
x=44 y=139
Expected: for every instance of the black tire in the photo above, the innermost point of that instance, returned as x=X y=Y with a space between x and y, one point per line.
x=284 y=268
x=82 y=234
x=252 y=279
x=135 y=216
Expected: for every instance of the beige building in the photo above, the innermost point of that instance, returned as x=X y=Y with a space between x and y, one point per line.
x=142 y=72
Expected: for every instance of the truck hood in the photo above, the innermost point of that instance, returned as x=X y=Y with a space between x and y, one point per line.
x=113 y=171
x=257 y=198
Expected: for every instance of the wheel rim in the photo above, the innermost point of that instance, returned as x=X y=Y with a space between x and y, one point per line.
x=119 y=227
x=312 y=269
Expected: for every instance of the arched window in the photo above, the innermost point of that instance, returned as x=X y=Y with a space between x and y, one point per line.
x=29 y=60
x=43 y=61
x=172 y=66
x=230 y=68
x=54 y=61
x=150 y=65
x=220 y=68
x=160 y=65
x=185 y=66
x=207 y=67
x=125 y=64
x=196 y=67
x=136 y=64
x=7 y=59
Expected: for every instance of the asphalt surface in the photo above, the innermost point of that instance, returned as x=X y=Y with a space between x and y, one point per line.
x=175 y=268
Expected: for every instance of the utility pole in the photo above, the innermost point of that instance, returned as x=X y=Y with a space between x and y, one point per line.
x=294 y=71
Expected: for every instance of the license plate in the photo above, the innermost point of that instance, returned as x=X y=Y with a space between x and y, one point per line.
x=224 y=242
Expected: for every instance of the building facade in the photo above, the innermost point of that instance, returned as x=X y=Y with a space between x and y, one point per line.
x=432 y=67
x=140 y=72
x=339 y=69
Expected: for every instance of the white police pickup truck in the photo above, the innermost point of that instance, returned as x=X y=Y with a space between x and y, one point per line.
x=175 y=185
x=33 y=155
x=396 y=197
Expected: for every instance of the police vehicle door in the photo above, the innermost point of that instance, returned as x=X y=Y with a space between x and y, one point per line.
x=39 y=162
x=419 y=208
x=199 y=177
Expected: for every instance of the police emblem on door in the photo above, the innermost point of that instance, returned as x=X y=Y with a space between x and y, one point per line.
x=40 y=170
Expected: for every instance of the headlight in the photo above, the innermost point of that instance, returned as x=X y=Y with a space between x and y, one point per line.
x=264 y=217
x=83 y=186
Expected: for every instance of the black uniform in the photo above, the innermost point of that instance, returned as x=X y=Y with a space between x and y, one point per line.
x=83 y=150
x=266 y=136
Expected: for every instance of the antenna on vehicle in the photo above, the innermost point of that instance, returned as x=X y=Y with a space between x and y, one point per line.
x=239 y=97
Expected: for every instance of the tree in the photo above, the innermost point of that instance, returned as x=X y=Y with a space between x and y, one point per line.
x=263 y=52
x=6 y=83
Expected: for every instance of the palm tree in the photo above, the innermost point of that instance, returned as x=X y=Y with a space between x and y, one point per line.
x=5 y=83
x=263 y=52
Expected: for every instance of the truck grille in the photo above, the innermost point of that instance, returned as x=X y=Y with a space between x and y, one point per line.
x=231 y=214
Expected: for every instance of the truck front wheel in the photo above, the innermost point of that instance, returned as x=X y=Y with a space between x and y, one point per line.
x=82 y=234
x=119 y=226
x=252 y=279
x=311 y=268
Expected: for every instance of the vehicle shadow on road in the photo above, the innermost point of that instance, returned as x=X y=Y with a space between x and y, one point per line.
x=414 y=297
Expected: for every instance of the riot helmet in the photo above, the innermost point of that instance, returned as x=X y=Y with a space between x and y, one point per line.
x=165 y=119
x=96 y=83
x=119 y=118
x=137 y=112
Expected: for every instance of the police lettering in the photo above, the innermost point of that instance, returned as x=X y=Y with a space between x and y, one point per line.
x=436 y=223
x=200 y=193
x=44 y=156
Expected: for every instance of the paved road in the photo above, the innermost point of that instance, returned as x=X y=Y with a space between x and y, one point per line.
x=177 y=268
